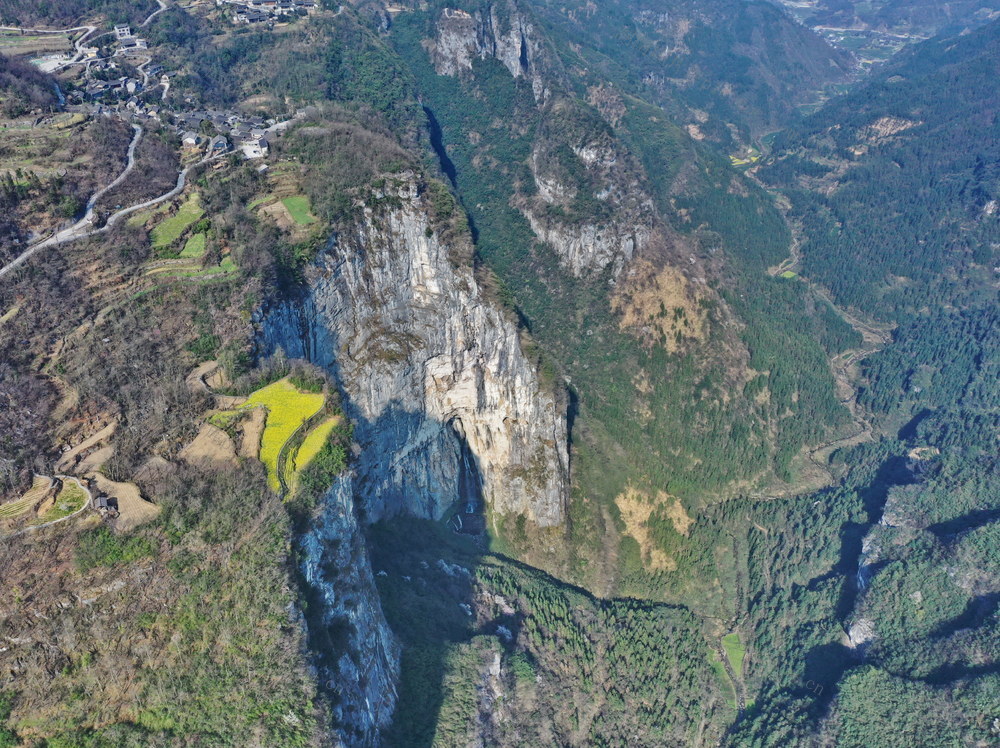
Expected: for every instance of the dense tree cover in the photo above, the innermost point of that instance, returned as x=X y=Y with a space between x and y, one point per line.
x=893 y=187
x=560 y=667
x=24 y=88
x=895 y=184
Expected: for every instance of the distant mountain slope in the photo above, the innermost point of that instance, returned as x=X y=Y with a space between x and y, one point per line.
x=894 y=191
x=901 y=16
x=896 y=184
x=64 y=13
x=729 y=68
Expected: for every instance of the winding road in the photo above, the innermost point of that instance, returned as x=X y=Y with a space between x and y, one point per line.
x=78 y=229
x=154 y=14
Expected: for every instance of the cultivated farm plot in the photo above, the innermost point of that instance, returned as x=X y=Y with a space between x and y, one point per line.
x=309 y=449
x=195 y=245
x=16 y=43
x=170 y=229
x=71 y=499
x=189 y=268
x=133 y=509
x=39 y=487
x=287 y=410
x=299 y=209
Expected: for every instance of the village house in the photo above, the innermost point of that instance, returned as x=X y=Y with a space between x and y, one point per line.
x=218 y=144
x=123 y=31
x=190 y=140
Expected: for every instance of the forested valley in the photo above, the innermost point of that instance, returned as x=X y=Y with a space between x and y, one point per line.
x=578 y=374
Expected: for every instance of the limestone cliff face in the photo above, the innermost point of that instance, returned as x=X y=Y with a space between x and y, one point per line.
x=446 y=404
x=586 y=247
x=502 y=32
x=594 y=213
x=358 y=656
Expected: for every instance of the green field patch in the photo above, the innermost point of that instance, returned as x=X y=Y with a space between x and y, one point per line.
x=71 y=499
x=195 y=245
x=287 y=409
x=788 y=275
x=170 y=229
x=725 y=683
x=257 y=202
x=299 y=209
x=735 y=651
x=140 y=217
x=9 y=314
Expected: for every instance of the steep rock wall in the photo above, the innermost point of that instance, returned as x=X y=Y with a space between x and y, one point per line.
x=432 y=373
x=618 y=217
x=502 y=32
x=357 y=654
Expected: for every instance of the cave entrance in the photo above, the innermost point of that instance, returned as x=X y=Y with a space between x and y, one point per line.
x=470 y=518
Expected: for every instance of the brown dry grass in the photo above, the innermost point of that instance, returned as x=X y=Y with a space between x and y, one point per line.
x=69 y=459
x=253 y=430
x=679 y=516
x=134 y=509
x=647 y=299
x=636 y=509
x=211 y=445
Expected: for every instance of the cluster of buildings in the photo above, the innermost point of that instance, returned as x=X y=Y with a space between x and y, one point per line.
x=106 y=91
x=248 y=135
x=262 y=11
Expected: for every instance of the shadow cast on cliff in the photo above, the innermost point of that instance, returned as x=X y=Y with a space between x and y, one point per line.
x=413 y=476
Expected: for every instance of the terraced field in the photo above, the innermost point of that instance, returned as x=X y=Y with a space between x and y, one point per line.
x=71 y=499
x=39 y=487
x=170 y=229
x=16 y=43
x=287 y=410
